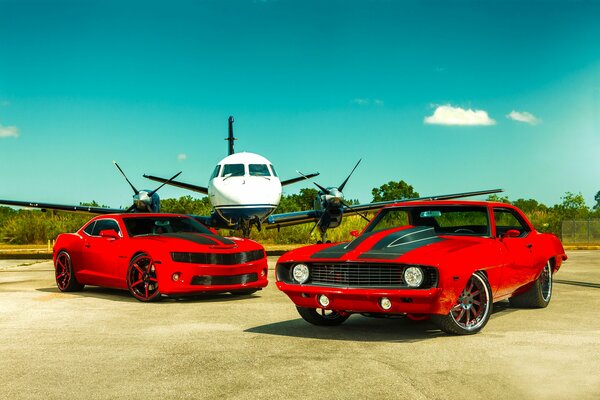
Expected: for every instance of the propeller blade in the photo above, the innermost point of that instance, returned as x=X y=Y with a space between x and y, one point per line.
x=341 y=187
x=324 y=190
x=316 y=224
x=356 y=211
x=135 y=191
x=156 y=190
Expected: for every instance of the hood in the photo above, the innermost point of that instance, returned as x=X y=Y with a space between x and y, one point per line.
x=419 y=245
x=200 y=242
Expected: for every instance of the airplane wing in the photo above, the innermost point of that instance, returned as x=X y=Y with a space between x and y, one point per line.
x=298 y=179
x=63 y=207
x=303 y=217
x=188 y=186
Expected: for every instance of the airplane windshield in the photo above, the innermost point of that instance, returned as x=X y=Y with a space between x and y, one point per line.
x=139 y=226
x=233 y=170
x=258 y=170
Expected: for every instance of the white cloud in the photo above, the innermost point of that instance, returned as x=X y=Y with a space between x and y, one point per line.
x=448 y=115
x=366 y=102
x=523 y=116
x=181 y=156
x=9 y=131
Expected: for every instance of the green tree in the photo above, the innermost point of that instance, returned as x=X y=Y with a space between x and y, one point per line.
x=394 y=191
x=530 y=205
x=498 y=199
x=597 y=199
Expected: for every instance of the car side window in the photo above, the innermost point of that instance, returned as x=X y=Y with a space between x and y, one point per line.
x=507 y=219
x=105 y=224
x=90 y=228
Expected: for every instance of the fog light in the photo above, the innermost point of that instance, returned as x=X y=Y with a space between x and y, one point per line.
x=413 y=276
x=385 y=303
x=175 y=277
x=323 y=300
x=300 y=273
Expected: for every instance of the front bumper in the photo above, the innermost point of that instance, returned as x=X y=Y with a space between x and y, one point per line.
x=353 y=300
x=198 y=278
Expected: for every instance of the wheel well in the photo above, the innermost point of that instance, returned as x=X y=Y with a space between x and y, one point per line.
x=552 y=262
x=137 y=253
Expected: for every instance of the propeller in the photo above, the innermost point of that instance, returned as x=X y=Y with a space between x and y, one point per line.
x=142 y=199
x=334 y=196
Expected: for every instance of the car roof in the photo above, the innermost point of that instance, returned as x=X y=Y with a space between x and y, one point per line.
x=409 y=203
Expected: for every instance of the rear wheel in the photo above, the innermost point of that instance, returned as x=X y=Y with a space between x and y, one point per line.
x=64 y=274
x=539 y=294
x=321 y=316
x=141 y=278
x=472 y=309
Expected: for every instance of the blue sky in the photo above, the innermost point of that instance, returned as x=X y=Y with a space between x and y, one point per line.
x=449 y=96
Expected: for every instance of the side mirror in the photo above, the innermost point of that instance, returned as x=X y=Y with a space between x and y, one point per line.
x=511 y=233
x=354 y=233
x=109 y=234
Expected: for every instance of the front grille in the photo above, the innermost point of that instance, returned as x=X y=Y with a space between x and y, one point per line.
x=208 y=280
x=218 y=259
x=359 y=275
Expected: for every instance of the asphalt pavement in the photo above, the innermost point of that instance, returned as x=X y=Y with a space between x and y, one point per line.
x=103 y=344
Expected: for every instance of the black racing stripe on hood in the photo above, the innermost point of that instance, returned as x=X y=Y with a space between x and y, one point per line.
x=197 y=238
x=339 y=250
x=221 y=239
x=401 y=242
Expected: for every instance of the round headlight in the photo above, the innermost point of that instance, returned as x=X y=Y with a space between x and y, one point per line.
x=300 y=273
x=413 y=276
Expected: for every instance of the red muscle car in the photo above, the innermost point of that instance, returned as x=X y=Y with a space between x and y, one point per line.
x=447 y=260
x=157 y=254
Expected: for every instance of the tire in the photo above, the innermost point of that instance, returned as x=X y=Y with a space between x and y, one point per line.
x=246 y=292
x=322 y=317
x=64 y=273
x=539 y=294
x=472 y=309
x=142 y=281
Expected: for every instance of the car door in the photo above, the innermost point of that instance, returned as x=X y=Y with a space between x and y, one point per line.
x=519 y=268
x=101 y=253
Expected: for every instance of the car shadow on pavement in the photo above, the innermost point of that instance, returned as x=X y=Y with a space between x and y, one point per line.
x=121 y=295
x=577 y=283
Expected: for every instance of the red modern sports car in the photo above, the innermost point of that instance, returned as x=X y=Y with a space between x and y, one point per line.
x=157 y=254
x=447 y=260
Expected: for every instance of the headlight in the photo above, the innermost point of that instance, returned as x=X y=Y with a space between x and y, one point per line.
x=413 y=276
x=300 y=273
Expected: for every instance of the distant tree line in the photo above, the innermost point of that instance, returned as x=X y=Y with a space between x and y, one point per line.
x=35 y=226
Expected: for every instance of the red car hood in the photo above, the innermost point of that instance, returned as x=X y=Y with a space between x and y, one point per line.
x=190 y=242
x=413 y=245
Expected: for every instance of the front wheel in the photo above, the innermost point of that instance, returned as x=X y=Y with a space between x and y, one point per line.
x=141 y=278
x=321 y=316
x=472 y=309
x=539 y=294
x=64 y=273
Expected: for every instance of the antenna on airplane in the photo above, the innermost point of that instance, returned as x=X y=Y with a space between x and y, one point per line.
x=230 y=139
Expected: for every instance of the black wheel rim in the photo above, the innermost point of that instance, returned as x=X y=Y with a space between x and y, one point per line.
x=63 y=271
x=142 y=278
x=471 y=309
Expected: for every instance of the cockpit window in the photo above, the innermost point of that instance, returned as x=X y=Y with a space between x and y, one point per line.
x=259 y=170
x=273 y=169
x=216 y=172
x=233 y=170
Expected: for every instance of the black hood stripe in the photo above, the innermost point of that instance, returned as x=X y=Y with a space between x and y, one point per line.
x=389 y=247
x=208 y=240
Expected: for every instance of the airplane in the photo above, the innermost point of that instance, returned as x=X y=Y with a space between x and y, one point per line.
x=244 y=191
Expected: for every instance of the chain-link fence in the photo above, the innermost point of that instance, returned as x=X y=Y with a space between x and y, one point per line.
x=581 y=232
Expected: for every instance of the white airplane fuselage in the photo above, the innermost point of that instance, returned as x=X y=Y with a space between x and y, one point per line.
x=244 y=186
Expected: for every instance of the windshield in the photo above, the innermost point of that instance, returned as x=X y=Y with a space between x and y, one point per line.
x=159 y=225
x=233 y=170
x=446 y=220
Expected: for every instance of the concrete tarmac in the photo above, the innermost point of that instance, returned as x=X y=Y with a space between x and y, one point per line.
x=103 y=344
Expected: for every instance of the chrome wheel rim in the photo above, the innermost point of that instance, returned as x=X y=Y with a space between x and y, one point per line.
x=63 y=270
x=473 y=305
x=546 y=282
x=142 y=277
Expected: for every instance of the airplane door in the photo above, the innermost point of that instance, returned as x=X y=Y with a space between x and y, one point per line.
x=101 y=254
